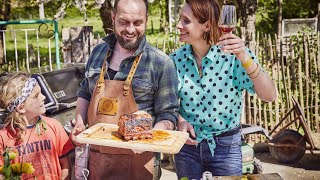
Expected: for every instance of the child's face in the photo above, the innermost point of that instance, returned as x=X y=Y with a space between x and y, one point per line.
x=34 y=104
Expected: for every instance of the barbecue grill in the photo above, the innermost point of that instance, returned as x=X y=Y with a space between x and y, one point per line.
x=60 y=89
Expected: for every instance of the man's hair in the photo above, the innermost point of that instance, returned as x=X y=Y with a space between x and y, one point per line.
x=207 y=11
x=116 y=2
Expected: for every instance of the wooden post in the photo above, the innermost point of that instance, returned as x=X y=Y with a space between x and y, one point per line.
x=259 y=119
x=288 y=66
x=311 y=83
x=306 y=73
x=273 y=72
x=318 y=17
x=164 y=45
x=152 y=31
x=301 y=101
x=265 y=65
x=77 y=44
x=277 y=77
x=280 y=18
x=318 y=58
x=170 y=16
x=41 y=11
x=292 y=69
x=316 y=87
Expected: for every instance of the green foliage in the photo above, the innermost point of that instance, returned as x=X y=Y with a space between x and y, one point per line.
x=31 y=11
x=299 y=8
x=154 y=8
x=266 y=16
x=267 y=12
x=21 y=13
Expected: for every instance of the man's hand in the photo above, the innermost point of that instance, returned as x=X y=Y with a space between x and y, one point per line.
x=164 y=124
x=81 y=115
x=185 y=126
x=77 y=129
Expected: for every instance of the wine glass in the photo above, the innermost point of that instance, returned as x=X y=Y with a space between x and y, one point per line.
x=228 y=19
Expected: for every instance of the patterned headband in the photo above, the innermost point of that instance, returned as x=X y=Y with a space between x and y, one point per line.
x=26 y=91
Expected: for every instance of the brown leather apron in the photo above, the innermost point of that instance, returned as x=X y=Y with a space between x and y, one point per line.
x=109 y=100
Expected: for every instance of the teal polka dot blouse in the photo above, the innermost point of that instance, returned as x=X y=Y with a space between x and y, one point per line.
x=212 y=103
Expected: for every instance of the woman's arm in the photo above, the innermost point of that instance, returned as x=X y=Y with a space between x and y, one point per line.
x=65 y=168
x=263 y=85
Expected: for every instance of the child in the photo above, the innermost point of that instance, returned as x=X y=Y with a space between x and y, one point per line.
x=37 y=139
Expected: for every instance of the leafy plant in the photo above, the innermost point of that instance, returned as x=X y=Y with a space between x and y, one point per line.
x=14 y=171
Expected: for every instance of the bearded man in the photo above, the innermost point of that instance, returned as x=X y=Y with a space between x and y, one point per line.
x=140 y=77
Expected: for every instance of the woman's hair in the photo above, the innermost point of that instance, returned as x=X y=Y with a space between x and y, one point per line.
x=11 y=87
x=204 y=14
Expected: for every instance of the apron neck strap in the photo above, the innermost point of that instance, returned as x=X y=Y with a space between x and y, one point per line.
x=103 y=71
x=127 y=83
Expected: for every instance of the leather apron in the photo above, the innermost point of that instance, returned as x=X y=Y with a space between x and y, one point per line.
x=110 y=99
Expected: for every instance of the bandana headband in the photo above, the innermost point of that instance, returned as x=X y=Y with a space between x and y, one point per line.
x=26 y=91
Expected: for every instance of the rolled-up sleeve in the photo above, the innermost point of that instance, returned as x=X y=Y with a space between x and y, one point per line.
x=84 y=92
x=166 y=98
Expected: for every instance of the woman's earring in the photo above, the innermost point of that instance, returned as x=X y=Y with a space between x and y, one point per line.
x=205 y=35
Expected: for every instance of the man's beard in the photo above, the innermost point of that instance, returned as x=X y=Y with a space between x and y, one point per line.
x=129 y=45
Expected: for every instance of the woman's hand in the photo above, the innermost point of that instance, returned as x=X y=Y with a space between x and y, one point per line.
x=185 y=126
x=233 y=44
x=263 y=85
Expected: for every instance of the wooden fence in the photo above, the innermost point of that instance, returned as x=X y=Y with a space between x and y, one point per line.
x=294 y=66
x=293 y=63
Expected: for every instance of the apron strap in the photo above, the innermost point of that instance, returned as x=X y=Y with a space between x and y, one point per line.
x=133 y=69
x=103 y=71
x=127 y=82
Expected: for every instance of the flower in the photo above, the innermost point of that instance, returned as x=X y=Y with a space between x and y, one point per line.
x=12 y=170
x=25 y=168
x=12 y=155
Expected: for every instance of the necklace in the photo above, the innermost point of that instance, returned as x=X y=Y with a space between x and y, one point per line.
x=41 y=126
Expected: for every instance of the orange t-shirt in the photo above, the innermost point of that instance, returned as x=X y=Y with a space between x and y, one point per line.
x=43 y=151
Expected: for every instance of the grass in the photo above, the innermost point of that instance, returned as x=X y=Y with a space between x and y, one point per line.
x=154 y=37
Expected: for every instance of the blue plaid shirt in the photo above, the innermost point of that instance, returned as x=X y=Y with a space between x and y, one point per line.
x=154 y=82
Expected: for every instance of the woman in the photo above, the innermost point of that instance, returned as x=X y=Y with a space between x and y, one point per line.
x=210 y=91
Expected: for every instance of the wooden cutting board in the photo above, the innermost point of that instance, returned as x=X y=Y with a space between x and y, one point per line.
x=164 y=141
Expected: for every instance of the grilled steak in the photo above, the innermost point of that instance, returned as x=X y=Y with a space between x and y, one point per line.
x=135 y=126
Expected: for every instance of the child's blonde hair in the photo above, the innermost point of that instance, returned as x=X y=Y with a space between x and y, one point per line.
x=11 y=87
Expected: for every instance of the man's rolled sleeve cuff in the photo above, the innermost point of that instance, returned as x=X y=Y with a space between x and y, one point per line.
x=167 y=116
x=83 y=95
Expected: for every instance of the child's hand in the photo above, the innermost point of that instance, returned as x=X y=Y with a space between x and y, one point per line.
x=77 y=129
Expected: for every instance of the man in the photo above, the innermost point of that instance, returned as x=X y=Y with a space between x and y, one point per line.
x=138 y=76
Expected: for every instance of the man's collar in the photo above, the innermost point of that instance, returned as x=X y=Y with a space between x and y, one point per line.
x=111 y=41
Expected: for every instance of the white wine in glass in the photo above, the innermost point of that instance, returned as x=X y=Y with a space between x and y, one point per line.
x=228 y=18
